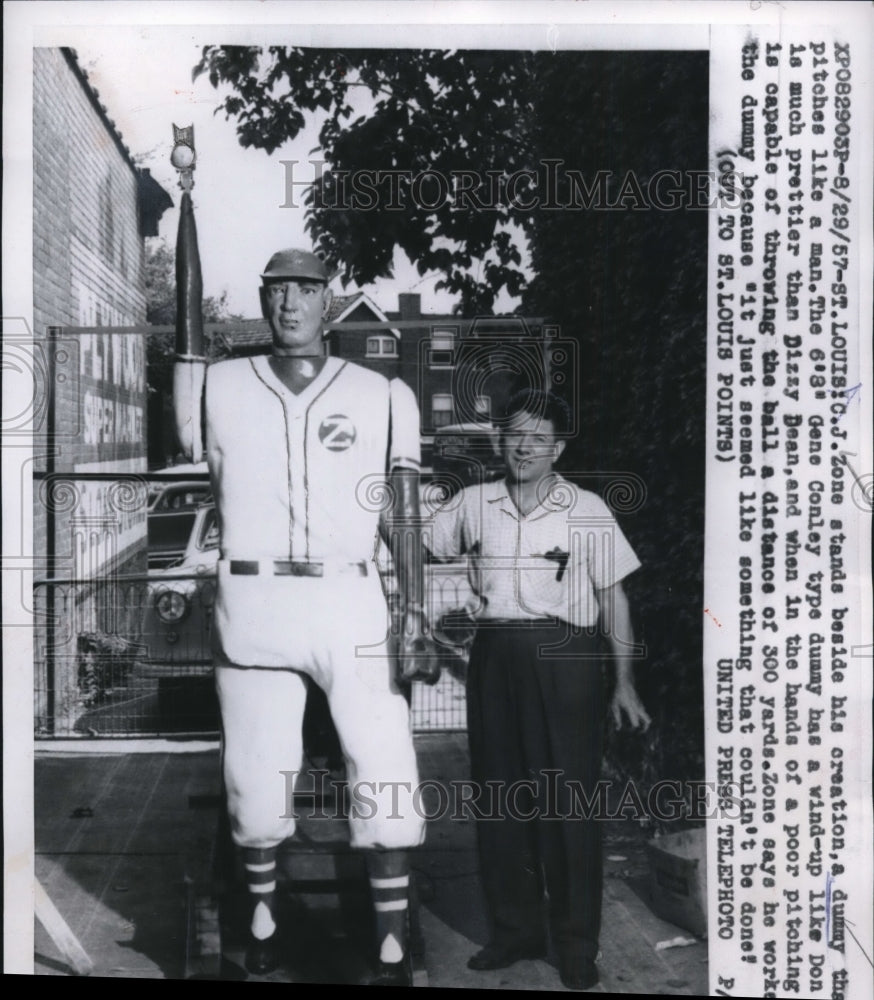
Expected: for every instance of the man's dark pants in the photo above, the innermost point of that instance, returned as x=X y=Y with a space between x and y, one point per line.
x=531 y=711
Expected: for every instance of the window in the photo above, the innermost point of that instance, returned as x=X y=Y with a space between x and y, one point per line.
x=441 y=353
x=441 y=409
x=382 y=347
x=443 y=340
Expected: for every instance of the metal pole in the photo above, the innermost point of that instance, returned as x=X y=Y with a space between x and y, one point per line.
x=52 y=333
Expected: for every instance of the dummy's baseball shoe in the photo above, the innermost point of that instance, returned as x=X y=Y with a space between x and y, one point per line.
x=262 y=956
x=393 y=974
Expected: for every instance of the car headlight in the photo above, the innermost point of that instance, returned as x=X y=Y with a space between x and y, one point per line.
x=171 y=606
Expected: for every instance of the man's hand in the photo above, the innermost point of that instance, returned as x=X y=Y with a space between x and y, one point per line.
x=418 y=657
x=625 y=700
x=620 y=636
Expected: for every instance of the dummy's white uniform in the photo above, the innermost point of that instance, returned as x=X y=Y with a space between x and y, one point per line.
x=297 y=481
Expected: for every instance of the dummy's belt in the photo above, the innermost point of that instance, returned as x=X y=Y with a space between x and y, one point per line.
x=290 y=567
x=518 y=622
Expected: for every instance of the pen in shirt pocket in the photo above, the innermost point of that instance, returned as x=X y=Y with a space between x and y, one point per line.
x=560 y=557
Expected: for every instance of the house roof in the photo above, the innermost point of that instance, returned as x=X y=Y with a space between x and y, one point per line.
x=343 y=305
x=153 y=199
x=244 y=334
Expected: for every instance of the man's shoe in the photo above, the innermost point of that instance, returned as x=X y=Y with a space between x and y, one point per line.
x=499 y=956
x=393 y=974
x=262 y=956
x=578 y=974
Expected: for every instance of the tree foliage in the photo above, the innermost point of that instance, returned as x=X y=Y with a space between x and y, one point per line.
x=161 y=311
x=415 y=112
x=161 y=289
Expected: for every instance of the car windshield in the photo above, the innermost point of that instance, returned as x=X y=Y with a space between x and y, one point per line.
x=179 y=498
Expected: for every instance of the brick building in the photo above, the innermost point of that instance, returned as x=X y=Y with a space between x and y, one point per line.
x=92 y=208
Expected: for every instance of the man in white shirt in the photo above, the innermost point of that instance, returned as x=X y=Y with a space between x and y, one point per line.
x=298 y=444
x=546 y=562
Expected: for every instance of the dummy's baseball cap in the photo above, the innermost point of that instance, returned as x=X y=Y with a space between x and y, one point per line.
x=295 y=263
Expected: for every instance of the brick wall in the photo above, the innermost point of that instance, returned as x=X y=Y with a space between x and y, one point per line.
x=88 y=251
x=88 y=270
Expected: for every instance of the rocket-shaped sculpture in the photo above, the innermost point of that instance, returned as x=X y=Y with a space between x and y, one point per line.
x=190 y=366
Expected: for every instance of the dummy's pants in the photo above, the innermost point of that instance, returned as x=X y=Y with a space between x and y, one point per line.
x=268 y=633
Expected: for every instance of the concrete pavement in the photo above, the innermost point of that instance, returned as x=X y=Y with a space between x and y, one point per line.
x=120 y=835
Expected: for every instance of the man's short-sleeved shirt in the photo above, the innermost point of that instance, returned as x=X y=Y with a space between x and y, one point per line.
x=300 y=476
x=548 y=564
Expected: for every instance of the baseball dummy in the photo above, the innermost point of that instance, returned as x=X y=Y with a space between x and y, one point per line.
x=311 y=458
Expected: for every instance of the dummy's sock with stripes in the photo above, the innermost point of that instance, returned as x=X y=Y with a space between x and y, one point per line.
x=260 y=865
x=390 y=903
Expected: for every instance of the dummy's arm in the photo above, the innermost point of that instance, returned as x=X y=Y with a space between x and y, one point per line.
x=190 y=365
x=418 y=659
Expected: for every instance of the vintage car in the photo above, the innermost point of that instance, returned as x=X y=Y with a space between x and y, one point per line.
x=170 y=518
x=177 y=618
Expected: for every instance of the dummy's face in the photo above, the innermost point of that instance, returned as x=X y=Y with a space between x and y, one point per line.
x=295 y=309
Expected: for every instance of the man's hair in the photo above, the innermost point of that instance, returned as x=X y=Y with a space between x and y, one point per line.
x=544 y=405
